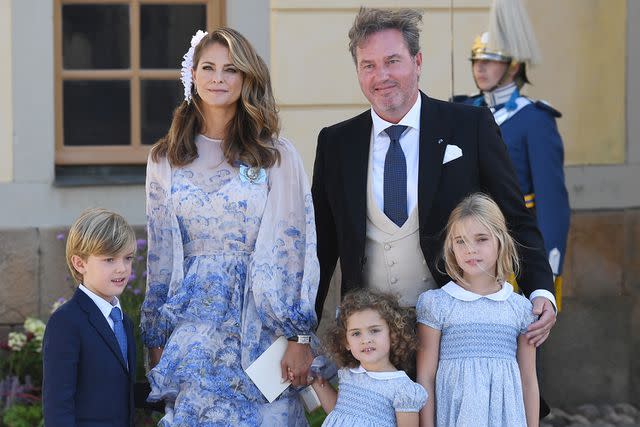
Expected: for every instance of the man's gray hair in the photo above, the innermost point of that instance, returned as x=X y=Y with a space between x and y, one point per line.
x=370 y=21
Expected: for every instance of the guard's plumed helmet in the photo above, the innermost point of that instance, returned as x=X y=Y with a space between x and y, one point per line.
x=481 y=50
x=510 y=38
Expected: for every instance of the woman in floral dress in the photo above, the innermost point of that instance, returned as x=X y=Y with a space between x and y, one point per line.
x=232 y=247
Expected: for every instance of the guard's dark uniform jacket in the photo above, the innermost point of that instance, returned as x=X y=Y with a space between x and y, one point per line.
x=529 y=130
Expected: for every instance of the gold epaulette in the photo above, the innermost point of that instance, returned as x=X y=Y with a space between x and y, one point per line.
x=558 y=285
x=530 y=200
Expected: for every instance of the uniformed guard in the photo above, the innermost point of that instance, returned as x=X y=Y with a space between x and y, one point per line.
x=499 y=60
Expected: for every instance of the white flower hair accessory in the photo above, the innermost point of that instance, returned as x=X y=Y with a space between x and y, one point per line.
x=187 y=65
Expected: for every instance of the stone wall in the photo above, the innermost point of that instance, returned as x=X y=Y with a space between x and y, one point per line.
x=593 y=354
x=32 y=274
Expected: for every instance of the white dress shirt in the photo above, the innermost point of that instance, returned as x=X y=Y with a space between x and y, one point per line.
x=410 y=143
x=104 y=306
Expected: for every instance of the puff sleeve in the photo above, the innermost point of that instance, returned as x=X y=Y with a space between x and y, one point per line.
x=429 y=309
x=410 y=397
x=523 y=309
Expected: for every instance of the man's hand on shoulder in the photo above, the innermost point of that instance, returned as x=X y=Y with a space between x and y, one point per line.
x=539 y=331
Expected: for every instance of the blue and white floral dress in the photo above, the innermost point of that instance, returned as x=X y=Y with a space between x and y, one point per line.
x=232 y=266
x=368 y=398
x=478 y=379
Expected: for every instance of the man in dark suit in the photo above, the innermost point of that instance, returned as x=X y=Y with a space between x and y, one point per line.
x=88 y=348
x=413 y=159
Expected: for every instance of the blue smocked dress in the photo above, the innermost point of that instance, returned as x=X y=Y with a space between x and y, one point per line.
x=373 y=398
x=231 y=267
x=478 y=378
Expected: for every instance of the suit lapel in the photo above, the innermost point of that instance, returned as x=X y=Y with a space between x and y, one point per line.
x=434 y=137
x=355 y=164
x=99 y=323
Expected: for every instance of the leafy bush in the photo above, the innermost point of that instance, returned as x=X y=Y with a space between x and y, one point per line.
x=22 y=352
x=23 y=416
x=21 y=375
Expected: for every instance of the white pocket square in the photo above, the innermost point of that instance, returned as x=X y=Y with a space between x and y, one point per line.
x=452 y=152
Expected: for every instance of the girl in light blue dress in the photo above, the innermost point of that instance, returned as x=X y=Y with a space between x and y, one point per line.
x=473 y=358
x=373 y=337
x=232 y=260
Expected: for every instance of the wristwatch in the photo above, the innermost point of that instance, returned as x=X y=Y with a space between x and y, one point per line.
x=300 y=339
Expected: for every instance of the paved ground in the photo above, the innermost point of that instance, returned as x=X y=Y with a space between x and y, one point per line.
x=616 y=415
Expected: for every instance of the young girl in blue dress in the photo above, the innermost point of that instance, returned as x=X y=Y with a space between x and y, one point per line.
x=373 y=337
x=473 y=358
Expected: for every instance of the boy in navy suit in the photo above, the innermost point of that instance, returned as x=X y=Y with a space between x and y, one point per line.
x=89 y=349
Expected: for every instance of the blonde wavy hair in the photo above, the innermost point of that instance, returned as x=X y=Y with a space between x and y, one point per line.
x=401 y=323
x=250 y=134
x=483 y=209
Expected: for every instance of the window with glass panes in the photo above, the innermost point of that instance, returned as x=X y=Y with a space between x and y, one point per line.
x=117 y=72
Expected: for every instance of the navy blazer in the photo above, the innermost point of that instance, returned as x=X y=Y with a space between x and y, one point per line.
x=340 y=187
x=86 y=382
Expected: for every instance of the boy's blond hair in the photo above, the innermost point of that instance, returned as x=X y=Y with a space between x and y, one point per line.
x=98 y=231
x=483 y=209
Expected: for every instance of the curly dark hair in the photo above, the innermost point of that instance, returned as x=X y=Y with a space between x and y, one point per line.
x=401 y=323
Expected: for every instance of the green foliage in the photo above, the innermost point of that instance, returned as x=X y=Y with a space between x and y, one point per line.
x=23 y=416
x=21 y=375
x=21 y=354
x=316 y=417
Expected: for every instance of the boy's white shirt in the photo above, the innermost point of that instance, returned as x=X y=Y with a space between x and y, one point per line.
x=104 y=307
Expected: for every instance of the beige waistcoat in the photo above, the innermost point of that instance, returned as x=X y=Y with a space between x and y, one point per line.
x=395 y=262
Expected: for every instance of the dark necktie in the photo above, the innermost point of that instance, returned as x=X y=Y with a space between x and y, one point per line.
x=395 y=178
x=118 y=329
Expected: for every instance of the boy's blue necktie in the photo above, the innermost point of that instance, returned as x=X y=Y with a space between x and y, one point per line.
x=395 y=178
x=118 y=329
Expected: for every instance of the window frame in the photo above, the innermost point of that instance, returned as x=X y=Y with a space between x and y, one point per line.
x=135 y=152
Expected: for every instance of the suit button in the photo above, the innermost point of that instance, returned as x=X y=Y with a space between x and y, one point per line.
x=390 y=263
x=394 y=280
x=424 y=279
x=387 y=247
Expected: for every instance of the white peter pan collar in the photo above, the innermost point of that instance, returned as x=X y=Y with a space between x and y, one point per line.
x=379 y=375
x=462 y=294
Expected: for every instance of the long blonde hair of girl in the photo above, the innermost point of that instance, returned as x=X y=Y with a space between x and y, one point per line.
x=484 y=210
